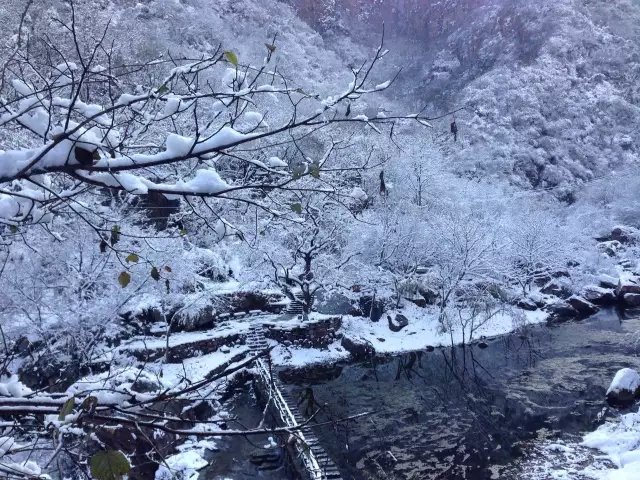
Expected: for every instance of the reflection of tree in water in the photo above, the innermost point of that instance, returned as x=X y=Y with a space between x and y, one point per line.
x=437 y=415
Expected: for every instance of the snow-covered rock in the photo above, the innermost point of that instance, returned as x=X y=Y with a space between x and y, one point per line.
x=624 y=234
x=583 y=306
x=624 y=388
x=619 y=442
x=607 y=281
x=610 y=248
x=527 y=304
x=561 y=312
x=631 y=300
x=560 y=288
x=626 y=285
x=357 y=347
x=599 y=295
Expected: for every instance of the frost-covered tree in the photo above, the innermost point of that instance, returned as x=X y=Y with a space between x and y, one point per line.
x=91 y=139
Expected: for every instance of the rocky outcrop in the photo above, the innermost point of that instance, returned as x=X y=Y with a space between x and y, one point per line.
x=624 y=389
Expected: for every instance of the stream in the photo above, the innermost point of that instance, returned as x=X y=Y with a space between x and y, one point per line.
x=467 y=412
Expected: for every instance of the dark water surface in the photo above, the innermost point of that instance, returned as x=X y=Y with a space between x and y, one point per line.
x=458 y=412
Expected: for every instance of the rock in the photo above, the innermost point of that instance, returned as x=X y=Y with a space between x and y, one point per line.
x=400 y=322
x=417 y=300
x=429 y=348
x=483 y=345
x=608 y=282
x=598 y=295
x=631 y=300
x=146 y=384
x=27 y=345
x=202 y=319
x=627 y=264
x=430 y=296
x=357 y=347
x=610 y=248
x=332 y=303
x=558 y=288
x=583 y=306
x=538 y=299
x=624 y=388
x=371 y=307
x=624 y=234
x=561 y=312
x=527 y=304
x=627 y=285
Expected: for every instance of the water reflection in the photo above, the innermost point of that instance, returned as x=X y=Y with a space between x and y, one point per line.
x=454 y=412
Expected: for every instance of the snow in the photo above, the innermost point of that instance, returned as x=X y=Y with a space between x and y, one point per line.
x=625 y=379
x=253 y=117
x=620 y=442
x=423 y=330
x=176 y=339
x=276 y=162
x=182 y=466
x=302 y=357
x=197 y=368
x=13 y=387
x=358 y=194
x=206 y=181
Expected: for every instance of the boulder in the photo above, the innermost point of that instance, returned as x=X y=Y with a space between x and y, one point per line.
x=561 y=312
x=624 y=389
x=607 y=281
x=583 y=306
x=188 y=321
x=627 y=264
x=400 y=322
x=598 y=295
x=631 y=300
x=371 y=307
x=430 y=296
x=627 y=285
x=624 y=234
x=417 y=300
x=357 y=347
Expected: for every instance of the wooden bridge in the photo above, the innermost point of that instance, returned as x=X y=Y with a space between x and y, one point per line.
x=311 y=456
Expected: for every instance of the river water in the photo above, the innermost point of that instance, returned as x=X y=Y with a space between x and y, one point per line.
x=469 y=412
x=460 y=413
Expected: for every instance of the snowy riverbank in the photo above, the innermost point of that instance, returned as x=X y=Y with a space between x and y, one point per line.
x=422 y=332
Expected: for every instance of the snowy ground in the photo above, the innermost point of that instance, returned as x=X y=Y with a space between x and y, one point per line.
x=612 y=452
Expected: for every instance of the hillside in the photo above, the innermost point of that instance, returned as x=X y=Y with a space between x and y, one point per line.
x=191 y=188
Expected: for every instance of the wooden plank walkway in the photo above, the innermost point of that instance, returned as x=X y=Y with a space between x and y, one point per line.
x=315 y=460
